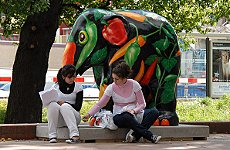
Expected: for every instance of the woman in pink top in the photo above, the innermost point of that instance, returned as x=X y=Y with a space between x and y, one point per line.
x=129 y=104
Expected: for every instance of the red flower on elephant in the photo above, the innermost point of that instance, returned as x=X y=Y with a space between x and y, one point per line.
x=115 y=32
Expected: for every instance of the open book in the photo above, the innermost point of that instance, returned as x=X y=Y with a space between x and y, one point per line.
x=48 y=96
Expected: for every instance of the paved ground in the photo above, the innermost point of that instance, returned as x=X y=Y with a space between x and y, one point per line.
x=215 y=141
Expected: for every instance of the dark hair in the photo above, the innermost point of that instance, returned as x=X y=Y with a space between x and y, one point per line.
x=122 y=70
x=67 y=70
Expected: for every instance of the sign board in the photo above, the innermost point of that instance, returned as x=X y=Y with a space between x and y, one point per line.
x=220 y=56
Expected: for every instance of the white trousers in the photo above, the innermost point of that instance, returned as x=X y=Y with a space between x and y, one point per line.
x=64 y=115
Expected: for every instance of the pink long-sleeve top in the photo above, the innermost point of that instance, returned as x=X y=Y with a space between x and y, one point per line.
x=126 y=97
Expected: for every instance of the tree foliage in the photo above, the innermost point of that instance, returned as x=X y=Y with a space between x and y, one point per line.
x=184 y=15
x=14 y=13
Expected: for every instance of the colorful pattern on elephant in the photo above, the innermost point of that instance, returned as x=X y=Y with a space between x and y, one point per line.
x=145 y=40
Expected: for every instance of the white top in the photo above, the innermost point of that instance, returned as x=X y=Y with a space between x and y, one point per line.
x=120 y=98
x=121 y=103
x=69 y=98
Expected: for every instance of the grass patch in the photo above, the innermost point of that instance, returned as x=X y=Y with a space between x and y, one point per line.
x=201 y=109
x=204 y=109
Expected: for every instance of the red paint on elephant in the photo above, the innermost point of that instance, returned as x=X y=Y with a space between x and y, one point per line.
x=115 y=32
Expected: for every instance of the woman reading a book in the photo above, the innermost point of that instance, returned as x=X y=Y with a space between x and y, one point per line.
x=66 y=110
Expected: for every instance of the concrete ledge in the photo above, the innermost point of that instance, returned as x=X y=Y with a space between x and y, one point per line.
x=214 y=126
x=18 y=131
x=181 y=132
x=190 y=132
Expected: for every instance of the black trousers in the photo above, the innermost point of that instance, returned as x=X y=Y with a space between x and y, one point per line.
x=127 y=120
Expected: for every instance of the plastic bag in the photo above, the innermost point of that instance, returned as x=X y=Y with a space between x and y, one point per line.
x=104 y=119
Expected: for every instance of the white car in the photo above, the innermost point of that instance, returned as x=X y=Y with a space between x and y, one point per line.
x=91 y=92
x=88 y=92
x=5 y=90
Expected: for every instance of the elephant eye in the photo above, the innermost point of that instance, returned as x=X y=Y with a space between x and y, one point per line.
x=83 y=37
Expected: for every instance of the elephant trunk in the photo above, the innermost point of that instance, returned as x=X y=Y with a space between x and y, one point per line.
x=69 y=53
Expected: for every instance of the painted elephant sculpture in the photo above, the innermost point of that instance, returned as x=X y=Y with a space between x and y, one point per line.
x=145 y=40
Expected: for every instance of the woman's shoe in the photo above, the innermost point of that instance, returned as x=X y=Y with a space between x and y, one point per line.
x=130 y=138
x=53 y=140
x=73 y=140
x=155 y=139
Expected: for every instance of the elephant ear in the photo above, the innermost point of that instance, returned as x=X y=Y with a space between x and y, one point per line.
x=115 y=29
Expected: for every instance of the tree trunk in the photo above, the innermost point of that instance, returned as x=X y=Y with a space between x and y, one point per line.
x=31 y=64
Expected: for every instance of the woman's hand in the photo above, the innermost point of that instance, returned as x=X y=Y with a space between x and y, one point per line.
x=131 y=111
x=86 y=117
x=60 y=102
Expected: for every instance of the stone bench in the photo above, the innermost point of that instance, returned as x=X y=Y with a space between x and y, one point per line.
x=88 y=133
